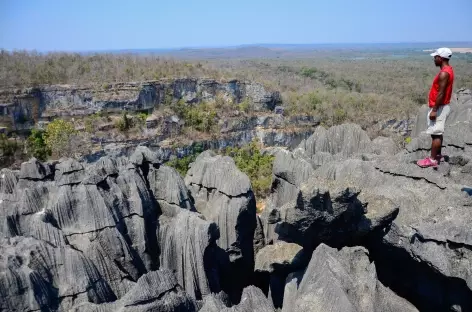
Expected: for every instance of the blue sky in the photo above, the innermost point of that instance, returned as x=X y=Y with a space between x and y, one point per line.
x=81 y=25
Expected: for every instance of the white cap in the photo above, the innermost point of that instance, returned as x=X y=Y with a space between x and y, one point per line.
x=442 y=52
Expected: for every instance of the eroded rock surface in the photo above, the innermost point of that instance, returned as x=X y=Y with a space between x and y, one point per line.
x=223 y=195
x=129 y=234
x=75 y=233
x=343 y=280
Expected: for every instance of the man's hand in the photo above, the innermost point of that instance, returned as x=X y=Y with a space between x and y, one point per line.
x=433 y=115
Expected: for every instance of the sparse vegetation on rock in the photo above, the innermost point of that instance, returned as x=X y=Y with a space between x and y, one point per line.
x=59 y=138
x=257 y=165
x=37 y=146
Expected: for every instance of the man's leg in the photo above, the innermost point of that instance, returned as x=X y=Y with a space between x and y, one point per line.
x=436 y=146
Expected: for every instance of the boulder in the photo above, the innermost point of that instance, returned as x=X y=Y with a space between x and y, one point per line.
x=280 y=257
x=152 y=122
x=343 y=280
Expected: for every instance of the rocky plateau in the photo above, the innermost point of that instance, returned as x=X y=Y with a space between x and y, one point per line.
x=351 y=224
x=24 y=108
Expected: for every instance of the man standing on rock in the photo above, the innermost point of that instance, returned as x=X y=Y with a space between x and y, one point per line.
x=439 y=99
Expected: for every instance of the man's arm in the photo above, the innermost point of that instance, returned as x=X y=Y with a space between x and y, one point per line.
x=443 y=80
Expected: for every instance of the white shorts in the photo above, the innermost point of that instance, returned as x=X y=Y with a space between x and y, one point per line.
x=436 y=127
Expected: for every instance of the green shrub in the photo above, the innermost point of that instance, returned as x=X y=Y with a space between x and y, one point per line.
x=182 y=164
x=123 y=124
x=244 y=106
x=169 y=97
x=59 y=137
x=37 y=146
x=10 y=151
x=142 y=118
x=7 y=147
x=201 y=117
x=340 y=115
x=255 y=165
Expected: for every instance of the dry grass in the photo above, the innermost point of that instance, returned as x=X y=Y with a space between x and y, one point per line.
x=337 y=89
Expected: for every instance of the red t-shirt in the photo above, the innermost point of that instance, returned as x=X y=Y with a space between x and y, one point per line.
x=433 y=93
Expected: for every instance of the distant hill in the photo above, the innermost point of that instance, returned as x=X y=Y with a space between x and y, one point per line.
x=288 y=50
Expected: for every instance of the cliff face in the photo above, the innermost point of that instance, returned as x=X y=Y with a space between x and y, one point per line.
x=20 y=109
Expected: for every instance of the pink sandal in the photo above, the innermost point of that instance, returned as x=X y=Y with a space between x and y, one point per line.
x=427 y=162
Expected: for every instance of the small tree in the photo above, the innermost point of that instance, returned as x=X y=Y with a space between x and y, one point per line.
x=123 y=124
x=37 y=145
x=59 y=136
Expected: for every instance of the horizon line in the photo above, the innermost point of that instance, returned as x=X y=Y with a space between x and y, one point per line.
x=183 y=48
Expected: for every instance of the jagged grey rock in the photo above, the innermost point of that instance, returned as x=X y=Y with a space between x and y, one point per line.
x=332 y=213
x=154 y=291
x=35 y=170
x=274 y=263
x=461 y=111
x=343 y=280
x=343 y=140
x=142 y=154
x=289 y=171
x=252 y=300
x=259 y=240
x=384 y=145
x=170 y=191
x=281 y=256
x=35 y=275
x=8 y=181
x=188 y=247
x=428 y=202
x=60 y=100
x=223 y=195
x=98 y=228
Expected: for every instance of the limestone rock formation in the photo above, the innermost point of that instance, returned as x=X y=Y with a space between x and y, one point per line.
x=289 y=171
x=38 y=276
x=223 y=195
x=75 y=233
x=343 y=140
x=154 y=291
x=252 y=300
x=126 y=233
x=342 y=280
x=332 y=213
x=412 y=214
x=274 y=263
x=281 y=256
x=188 y=248
x=58 y=100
